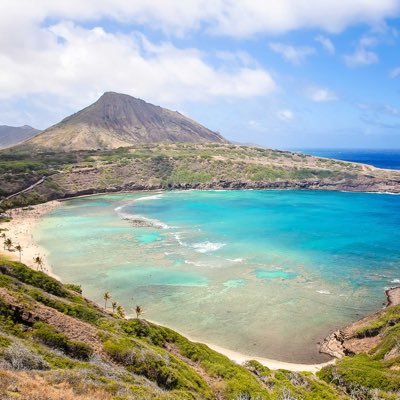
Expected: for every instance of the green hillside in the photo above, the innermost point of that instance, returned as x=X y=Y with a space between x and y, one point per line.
x=56 y=344
x=181 y=166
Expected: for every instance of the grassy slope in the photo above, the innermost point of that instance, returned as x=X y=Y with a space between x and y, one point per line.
x=135 y=360
x=114 y=358
x=378 y=370
x=174 y=165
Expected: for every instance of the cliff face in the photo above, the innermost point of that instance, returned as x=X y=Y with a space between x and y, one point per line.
x=118 y=120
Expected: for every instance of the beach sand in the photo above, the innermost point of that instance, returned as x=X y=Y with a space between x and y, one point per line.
x=20 y=231
x=272 y=364
x=241 y=358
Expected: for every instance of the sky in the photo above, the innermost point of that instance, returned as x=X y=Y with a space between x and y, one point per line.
x=282 y=74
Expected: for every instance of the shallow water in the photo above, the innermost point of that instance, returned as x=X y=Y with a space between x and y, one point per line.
x=265 y=273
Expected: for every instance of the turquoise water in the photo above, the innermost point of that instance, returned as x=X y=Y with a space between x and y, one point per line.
x=265 y=273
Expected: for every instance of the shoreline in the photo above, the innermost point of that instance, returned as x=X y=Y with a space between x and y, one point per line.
x=339 y=343
x=393 y=296
x=241 y=358
x=20 y=230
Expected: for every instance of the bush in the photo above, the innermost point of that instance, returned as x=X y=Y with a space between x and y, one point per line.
x=48 y=336
x=168 y=372
x=80 y=311
x=34 y=278
x=20 y=357
x=74 y=287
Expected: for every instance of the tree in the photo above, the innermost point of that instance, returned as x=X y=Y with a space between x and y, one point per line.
x=106 y=297
x=19 y=249
x=139 y=311
x=120 y=311
x=114 y=306
x=39 y=262
x=8 y=244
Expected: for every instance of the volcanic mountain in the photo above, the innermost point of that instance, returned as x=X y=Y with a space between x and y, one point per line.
x=119 y=120
x=12 y=135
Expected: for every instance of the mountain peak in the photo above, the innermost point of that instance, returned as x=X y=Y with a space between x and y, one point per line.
x=13 y=135
x=120 y=120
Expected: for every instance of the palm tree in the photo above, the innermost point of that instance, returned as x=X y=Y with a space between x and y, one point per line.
x=19 y=249
x=39 y=262
x=114 y=306
x=106 y=297
x=8 y=244
x=120 y=311
x=139 y=311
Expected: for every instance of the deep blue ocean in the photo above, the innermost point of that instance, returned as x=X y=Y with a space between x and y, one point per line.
x=389 y=158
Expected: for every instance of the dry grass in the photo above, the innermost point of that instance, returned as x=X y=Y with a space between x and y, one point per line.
x=24 y=386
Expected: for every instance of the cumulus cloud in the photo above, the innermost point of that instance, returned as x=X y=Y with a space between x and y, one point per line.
x=225 y=17
x=321 y=94
x=72 y=60
x=326 y=43
x=292 y=54
x=285 y=115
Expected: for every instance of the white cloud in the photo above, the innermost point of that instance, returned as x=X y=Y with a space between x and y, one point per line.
x=326 y=44
x=292 y=54
x=79 y=64
x=285 y=115
x=321 y=94
x=394 y=73
x=227 y=17
x=363 y=56
x=248 y=17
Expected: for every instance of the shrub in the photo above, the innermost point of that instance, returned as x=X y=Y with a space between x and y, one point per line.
x=80 y=311
x=20 y=357
x=48 y=336
x=74 y=287
x=34 y=278
x=168 y=372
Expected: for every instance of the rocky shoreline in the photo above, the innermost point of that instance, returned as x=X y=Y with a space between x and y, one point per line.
x=373 y=186
x=346 y=341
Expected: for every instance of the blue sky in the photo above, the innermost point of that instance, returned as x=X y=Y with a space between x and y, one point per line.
x=288 y=74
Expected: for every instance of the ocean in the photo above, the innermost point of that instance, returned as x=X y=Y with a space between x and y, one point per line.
x=264 y=273
x=388 y=159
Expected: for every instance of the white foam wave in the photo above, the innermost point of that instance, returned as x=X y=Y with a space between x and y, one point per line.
x=136 y=217
x=323 y=291
x=395 y=281
x=236 y=260
x=152 y=197
x=205 y=247
x=178 y=238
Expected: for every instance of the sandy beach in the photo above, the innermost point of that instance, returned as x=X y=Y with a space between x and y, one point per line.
x=20 y=229
x=241 y=358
